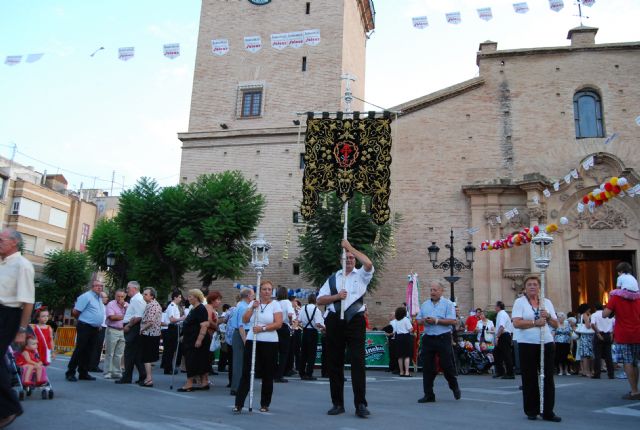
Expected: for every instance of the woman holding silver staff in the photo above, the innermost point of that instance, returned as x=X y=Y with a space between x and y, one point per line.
x=530 y=318
x=265 y=316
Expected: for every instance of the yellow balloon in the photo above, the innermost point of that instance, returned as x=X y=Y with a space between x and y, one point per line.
x=614 y=181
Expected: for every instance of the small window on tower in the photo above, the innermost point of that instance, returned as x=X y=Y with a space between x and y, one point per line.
x=302 y=160
x=296 y=217
x=296 y=268
x=304 y=64
x=250 y=100
x=308 y=8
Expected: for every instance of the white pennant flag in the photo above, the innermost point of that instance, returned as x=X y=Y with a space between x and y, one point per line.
x=591 y=206
x=473 y=230
x=536 y=200
x=498 y=219
x=485 y=13
x=171 y=50
x=12 y=60
x=280 y=41
x=580 y=207
x=508 y=214
x=546 y=192
x=574 y=173
x=312 y=37
x=556 y=186
x=522 y=7
x=296 y=39
x=126 y=54
x=633 y=191
x=220 y=46
x=611 y=138
x=588 y=163
x=638 y=120
x=567 y=178
x=515 y=211
x=454 y=18
x=253 y=43
x=556 y=5
x=420 y=22
x=588 y=2
x=32 y=58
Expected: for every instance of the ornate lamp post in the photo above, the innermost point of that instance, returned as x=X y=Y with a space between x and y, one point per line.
x=259 y=261
x=542 y=257
x=120 y=270
x=452 y=264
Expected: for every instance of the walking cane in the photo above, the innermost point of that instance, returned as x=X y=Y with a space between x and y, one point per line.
x=175 y=356
x=253 y=348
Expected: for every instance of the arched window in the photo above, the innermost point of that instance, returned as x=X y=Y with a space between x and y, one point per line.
x=587 y=112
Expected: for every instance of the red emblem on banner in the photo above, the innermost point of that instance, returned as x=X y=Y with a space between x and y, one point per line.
x=346 y=154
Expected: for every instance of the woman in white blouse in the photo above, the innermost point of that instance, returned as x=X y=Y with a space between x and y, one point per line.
x=404 y=341
x=532 y=323
x=265 y=317
x=485 y=329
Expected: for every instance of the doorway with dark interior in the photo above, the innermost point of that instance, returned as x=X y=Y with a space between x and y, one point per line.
x=593 y=275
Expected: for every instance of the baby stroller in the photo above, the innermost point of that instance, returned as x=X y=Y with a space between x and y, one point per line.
x=24 y=388
x=470 y=359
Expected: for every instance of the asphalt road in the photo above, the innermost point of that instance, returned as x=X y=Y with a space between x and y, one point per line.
x=581 y=402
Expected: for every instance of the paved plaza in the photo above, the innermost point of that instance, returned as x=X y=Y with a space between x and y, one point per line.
x=581 y=402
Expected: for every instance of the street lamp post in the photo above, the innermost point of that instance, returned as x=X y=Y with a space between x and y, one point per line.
x=542 y=257
x=452 y=264
x=259 y=261
x=111 y=266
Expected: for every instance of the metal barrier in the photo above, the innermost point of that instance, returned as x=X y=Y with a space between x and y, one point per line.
x=65 y=339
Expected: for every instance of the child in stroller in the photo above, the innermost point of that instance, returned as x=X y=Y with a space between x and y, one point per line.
x=33 y=373
x=472 y=359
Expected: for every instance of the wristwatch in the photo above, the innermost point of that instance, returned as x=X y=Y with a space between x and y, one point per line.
x=264 y=328
x=22 y=329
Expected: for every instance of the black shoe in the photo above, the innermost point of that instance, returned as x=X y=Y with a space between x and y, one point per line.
x=552 y=418
x=311 y=378
x=336 y=410
x=507 y=377
x=290 y=373
x=122 y=381
x=86 y=377
x=532 y=417
x=140 y=381
x=497 y=376
x=167 y=372
x=362 y=411
x=228 y=386
x=96 y=370
x=71 y=378
x=457 y=394
x=427 y=399
x=281 y=380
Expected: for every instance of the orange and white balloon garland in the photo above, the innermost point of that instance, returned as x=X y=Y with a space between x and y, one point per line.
x=523 y=237
x=607 y=191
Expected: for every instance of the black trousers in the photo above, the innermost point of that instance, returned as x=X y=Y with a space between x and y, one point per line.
x=97 y=351
x=223 y=359
x=169 y=343
x=229 y=363
x=86 y=338
x=9 y=324
x=562 y=355
x=308 y=351
x=324 y=366
x=266 y=355
x=284 y=343
x=133 y=354
x=503 y=355
x=529 y=368
x=602 y=349
x=441 y=345
x=393 y=356
x=294 y=351
x=351 y=335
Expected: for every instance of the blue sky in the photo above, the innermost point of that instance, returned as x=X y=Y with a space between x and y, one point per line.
x=86 y=117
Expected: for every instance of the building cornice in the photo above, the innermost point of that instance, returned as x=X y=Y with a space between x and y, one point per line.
x=557 y=50
x=439 y=96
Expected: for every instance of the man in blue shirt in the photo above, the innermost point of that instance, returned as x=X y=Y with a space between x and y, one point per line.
x=438 y=316
x=89 y=310
x=239 y=337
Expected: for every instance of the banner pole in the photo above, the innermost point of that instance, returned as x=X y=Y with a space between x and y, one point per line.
x=253 y=348
x=344 y=256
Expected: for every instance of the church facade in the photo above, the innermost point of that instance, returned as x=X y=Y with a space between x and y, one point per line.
x=462 y=156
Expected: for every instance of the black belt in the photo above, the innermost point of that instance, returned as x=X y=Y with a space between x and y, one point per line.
x=438 y=335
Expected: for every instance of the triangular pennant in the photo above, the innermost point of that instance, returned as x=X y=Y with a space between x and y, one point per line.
x=32 y=58
x=420 y=22
x=312 y=37
x=485 y=13
x=556 y=5
x=253 y=43
x=522 y=7
x=220 y=46
x=171 y=50
x=126 y=54
x=12 y=60
x=454 y=18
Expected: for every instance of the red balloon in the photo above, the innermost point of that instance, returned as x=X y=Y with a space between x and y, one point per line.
x=536 y=229
x=616 y=189
x=585 y=199
x=598 y=202
x=608 y=186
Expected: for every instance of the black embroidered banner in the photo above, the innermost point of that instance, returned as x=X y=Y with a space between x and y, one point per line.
x=348 y=155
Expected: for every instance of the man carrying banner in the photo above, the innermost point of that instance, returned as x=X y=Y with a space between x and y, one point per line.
x=348 y=332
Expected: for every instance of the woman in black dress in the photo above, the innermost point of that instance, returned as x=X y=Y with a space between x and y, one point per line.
x=195 y=342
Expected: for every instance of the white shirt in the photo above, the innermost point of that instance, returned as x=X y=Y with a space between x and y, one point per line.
x=135 y=309
x=16 y=281
x=503 y=320
x=356 y=286
x=288 y=313
x=604 y=325
x=315 y=319
x=265 y=315
x=172 y=311
x=627 y=281
x=522 y=309
x=402 y=327
x=488 y=333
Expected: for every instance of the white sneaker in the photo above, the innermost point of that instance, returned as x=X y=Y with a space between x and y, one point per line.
x=107 y=376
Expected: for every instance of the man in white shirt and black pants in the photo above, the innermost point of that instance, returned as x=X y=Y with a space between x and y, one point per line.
x=132 y=338
x=503 y=352
x=602 y=342
x=311 y=321
x=348 y=332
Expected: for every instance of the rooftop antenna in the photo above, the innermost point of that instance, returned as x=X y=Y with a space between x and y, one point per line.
x=579 y=3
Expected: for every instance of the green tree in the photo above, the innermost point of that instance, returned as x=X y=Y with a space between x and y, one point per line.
x=65 y=275
x=107 y=237
x=320 y=249
x=216 y=216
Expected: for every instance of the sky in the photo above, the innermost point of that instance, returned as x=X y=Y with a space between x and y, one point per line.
x=104 y=123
